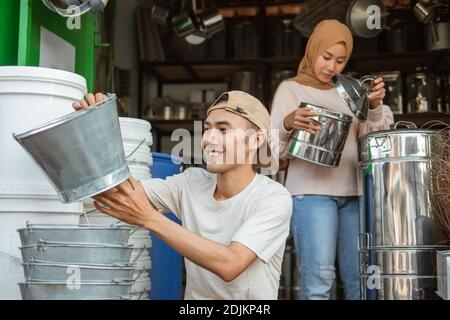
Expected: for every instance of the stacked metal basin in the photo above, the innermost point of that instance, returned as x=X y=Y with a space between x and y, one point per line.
x=76 y=262
x=137 y=140
x=399 y=234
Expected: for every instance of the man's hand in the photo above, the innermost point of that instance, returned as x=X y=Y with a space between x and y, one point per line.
x=127 y=202
x=89 y=101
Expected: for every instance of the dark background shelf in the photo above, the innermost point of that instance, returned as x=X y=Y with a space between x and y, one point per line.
x=218 y=70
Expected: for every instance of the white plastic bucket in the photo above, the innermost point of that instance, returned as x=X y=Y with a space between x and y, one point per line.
x=11 y=271
x=141 y=155
x=30 y=96
x=135 y=130
x=140 y=295
x=141 y=284
x=17 y=202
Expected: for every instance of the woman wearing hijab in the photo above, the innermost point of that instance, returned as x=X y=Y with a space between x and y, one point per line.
x=325 y=219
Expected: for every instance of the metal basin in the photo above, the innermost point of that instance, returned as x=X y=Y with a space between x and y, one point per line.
x=32 y=234
x=78 y=253
x=54 y=290
x=80 y=153
x=57 y=271
x=324 y=147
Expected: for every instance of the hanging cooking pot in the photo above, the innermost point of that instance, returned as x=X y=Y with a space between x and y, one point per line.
x=355 y=93
x=366 y=18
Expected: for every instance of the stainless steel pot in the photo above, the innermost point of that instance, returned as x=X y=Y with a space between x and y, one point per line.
x=324 y=147
x=442 y=40
x=400 y=287
x=399 y=233
x=78 y=253
x=394 y=89
x=57 y=271
x=421 y=91
x=80 y=153
x=57 y=290
x=32 y=234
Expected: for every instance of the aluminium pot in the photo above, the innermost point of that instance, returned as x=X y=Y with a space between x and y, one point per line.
x=325 y=147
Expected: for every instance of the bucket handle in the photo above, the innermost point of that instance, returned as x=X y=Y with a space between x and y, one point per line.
x=140 y=144
x=139 y=274
x=140 y=253
x=407 y=124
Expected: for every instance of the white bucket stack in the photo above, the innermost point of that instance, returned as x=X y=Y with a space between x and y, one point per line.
x=29 y=97
x=137 y=140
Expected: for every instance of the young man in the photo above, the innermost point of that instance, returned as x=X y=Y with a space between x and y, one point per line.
x=234 y=221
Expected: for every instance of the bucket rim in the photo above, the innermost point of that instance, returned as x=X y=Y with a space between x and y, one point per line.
x=63 y=119
x=30 y=72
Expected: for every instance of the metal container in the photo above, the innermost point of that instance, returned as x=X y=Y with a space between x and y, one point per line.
x=443 y=271
x=401 y=287
x=421 y=92
x=61 y=290
x=324 y=147
x=81 y=153
x=57 y=271
x=399 y=234
x=394 y=89
x=78 y=253
x=34 y=233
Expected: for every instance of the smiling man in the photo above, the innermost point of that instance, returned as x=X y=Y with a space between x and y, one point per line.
x=234 y=221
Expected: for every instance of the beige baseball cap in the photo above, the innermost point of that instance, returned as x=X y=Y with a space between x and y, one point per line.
x=250 y=108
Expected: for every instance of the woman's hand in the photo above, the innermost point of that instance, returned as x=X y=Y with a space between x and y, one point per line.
x=127 y=202
x=378 y=93
x=89 y=101
x=298 y=119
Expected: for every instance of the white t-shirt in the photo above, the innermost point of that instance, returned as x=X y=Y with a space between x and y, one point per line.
x=258 y=217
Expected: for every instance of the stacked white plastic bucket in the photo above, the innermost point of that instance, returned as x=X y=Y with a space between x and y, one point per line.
x=29 y=97
x=137 y=140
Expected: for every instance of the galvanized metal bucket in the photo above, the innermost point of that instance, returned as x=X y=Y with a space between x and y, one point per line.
x=324 y=147
x=78 y=253
x=62 y=290
x=57 y=271
x=33 y=233
x=81 y=153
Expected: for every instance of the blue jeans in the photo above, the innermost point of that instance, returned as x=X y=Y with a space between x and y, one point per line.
x=323 y=226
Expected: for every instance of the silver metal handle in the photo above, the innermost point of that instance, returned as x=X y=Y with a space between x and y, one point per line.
x=364 y=242
x=140 y=253
x=140 y=144
x=407 y=124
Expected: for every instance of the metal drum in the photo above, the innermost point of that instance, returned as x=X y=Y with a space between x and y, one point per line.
x=399 y=235
x=324 y=147
x=81 y=153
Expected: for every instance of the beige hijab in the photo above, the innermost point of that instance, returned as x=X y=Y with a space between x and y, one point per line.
x=326 y=34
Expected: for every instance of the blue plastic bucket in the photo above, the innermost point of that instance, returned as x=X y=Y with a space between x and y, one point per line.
x=166 y=273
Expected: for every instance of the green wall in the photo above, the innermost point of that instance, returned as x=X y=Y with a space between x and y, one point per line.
x=20 y=32
x=9 y=24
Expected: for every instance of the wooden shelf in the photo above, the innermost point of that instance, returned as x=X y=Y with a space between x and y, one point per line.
x=219 y=70
x=168 y=126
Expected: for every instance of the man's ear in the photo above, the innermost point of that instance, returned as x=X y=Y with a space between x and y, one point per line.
x=260 y=138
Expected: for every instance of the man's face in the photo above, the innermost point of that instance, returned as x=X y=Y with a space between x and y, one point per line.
x=227 y=141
